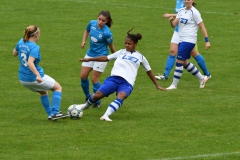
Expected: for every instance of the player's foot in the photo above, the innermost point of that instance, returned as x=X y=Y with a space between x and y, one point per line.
x=208 y=76
x=96 y=105
x=105 y=118
x=203 y=81
x=57 y=116
x=85 y=106
x=172 y=87
x=161 y=77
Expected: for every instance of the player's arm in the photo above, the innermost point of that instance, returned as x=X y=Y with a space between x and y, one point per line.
x=152 y=77
x=167 y=15
x=99 y=59
x=112 y=48
x=173 y=21
x=15 y=52
x=205 y=35
x=85 y=35
x=32 y=67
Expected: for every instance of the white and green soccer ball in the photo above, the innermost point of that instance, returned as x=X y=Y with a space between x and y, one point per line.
x=75 y=111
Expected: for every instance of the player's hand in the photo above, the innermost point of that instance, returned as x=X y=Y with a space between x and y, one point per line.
x=83 y=60
x=82 y=45
x=161 y=88
x=166 y=15
x=39 y=79
x=207 y=45
x=171 y=18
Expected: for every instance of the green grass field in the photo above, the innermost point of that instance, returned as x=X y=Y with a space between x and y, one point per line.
x=187 y=123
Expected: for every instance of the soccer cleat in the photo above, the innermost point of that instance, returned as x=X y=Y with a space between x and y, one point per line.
x=161 y=77
x=85 y=106
x=95 y=105
x=172 y=87
x=105 y=118
x=57 y=116
x=203 y=81
x=209 y=76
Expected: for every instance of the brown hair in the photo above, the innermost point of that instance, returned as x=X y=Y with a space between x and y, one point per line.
x=29 y=32
x=134 y=37
x=194 y=4
x=108 y=16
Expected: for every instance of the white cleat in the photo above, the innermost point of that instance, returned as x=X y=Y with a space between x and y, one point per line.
x=160 y=77
x=105 y=118
x=203 y=81
x=209 y=76
x=171 y=87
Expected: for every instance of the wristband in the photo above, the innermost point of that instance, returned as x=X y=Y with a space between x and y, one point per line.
x=206 y=39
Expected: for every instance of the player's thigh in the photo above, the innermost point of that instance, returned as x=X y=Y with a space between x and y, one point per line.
x=194 y=52
x=46 y=84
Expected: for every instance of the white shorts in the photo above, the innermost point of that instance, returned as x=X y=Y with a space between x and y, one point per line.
x=175 y=38
x=96 y=66
x=46 y=84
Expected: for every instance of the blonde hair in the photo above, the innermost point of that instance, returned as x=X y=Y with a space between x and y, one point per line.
x=29 y=32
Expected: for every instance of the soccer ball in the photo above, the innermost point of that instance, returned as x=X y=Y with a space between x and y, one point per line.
x=75 y=111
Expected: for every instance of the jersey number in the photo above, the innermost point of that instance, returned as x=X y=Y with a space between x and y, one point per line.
x=183 y=20
x=24 y=59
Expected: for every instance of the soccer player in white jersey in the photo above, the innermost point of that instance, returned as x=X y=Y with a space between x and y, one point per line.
x=174 y=48
x=123 y=74
x=32 y=76
x=100 y=38
x=188 y=20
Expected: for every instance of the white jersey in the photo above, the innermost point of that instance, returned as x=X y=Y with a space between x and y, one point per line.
x=188 y=24
x=127 y=64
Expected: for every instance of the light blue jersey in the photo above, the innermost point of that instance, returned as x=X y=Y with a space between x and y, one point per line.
x=179 y=4
x=26 y=49
x=99 y=39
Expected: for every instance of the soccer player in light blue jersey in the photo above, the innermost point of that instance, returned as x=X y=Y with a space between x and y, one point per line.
x=188 y=20
x=32 y=76
x=123 y=74
x=174 y=48
x=100 y=39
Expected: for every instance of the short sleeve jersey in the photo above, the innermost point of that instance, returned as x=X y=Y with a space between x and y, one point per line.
x=25 y=50
x=188 y=24
x=99 y=39
x=127 y=64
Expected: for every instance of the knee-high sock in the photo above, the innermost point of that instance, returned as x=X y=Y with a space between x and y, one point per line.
x=177 y=73
x=193 y=70
x=96 y=86
x=56 y=101
x=114 y=106
x=169 y=65
x=201 y=63
x=90 y=100
x=85 y=87
x=46 y=104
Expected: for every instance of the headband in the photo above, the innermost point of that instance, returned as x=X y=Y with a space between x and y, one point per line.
x=34 y=32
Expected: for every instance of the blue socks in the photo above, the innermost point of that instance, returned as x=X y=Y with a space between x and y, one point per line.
x=169 y=65
x=85 y=87
x=56 y=100
x=96 y=86
x=46 y=104
x=201 y=62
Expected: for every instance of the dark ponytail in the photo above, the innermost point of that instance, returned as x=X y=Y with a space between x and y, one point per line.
x=134 y=37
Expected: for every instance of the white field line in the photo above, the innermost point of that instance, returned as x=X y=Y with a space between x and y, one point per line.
x=200 y=156
x=139 y=6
